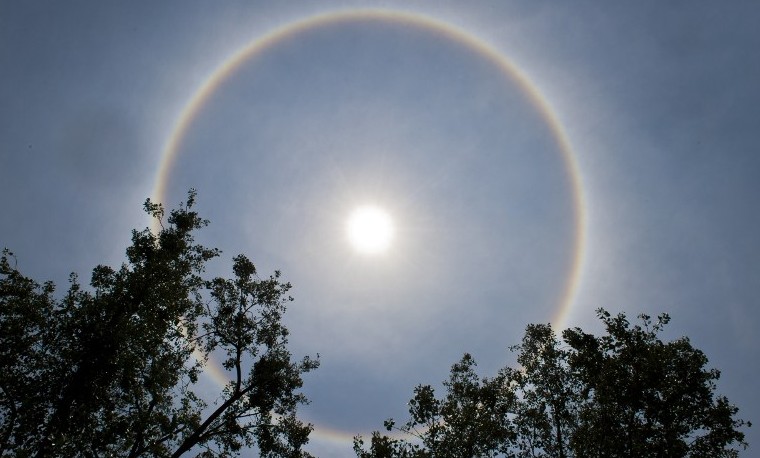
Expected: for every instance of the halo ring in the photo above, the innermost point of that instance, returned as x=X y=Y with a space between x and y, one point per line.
x=512 y=73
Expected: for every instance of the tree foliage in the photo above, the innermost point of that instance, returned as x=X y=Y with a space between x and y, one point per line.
x=472 y=419
x=625 y=393
x=110 y=370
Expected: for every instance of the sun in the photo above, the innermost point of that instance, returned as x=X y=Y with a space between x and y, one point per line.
x=370 y=230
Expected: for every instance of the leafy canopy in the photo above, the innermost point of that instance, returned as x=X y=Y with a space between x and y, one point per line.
x=625 y=393
x=110 y=370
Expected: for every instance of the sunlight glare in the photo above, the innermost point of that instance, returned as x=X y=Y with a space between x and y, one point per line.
x=370 y=230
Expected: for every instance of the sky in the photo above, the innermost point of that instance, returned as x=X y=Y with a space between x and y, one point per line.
x=539 y=160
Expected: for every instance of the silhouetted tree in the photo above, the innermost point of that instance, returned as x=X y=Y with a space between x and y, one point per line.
x=646 y=397
x=470 y=420
x=546 y=410
x=626 y=393
x=110 y=370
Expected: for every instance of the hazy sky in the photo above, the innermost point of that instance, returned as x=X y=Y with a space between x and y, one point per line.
x=419 y=114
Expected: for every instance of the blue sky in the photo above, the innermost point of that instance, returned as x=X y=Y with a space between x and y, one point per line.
x=658 y=102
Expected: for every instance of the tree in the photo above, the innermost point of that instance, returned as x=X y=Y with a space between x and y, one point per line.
x=471 y=419
x=546 y=409
x=646 y=397
x=110 y=370
x=626 y=393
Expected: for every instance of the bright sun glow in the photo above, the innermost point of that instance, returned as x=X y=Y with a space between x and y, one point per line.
x=370 y=230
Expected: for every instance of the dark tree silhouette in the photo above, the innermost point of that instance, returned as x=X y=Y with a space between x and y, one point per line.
x=472 y=419
x=110 y=370
x=645 y=397
x=626 y=393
